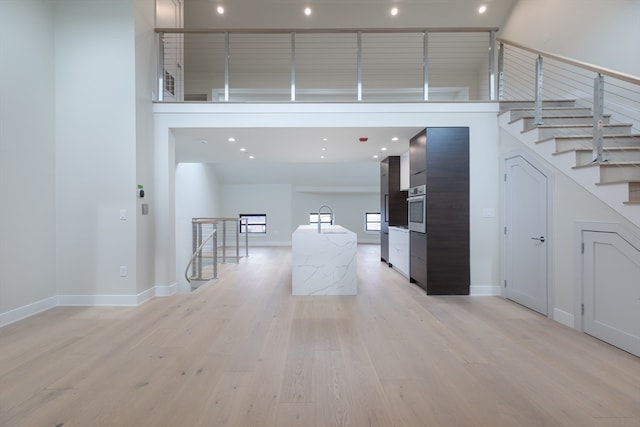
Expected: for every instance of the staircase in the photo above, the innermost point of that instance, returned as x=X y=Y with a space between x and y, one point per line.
x=565 y=139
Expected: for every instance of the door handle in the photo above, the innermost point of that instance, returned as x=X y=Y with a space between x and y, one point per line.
x=540 y=239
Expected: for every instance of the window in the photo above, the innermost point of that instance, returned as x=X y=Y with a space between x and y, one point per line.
x=372 y=221
x=255 y=223
x=325 y=218
x=169 y=83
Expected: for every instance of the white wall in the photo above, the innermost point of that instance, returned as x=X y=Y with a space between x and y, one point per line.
x=145 y=69
x=96 y=147
x=571 y=204
x=274 y=200
x=27 y=166
x=603 y=33
x=197 y=196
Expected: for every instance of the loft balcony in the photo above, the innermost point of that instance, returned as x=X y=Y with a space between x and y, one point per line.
x=339 y=65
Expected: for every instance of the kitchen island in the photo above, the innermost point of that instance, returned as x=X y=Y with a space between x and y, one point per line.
x=324 y=263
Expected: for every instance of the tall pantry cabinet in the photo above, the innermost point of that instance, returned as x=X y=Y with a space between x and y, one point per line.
x=439 y=258
x=393 y=202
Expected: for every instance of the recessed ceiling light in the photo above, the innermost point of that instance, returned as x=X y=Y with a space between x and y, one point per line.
x=251 y=157
x=394 y=11
x=482 y=9
x=322 y=157
x=395 y=138
x=220 y=10
x=324 y=149
x=375 y=156
x=243 y=149
x=324 y=139
x=307 y=11
x=383 y=149
x=231 y=139
x=203 y=141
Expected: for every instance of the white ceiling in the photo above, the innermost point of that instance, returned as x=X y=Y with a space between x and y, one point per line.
x=292 y=155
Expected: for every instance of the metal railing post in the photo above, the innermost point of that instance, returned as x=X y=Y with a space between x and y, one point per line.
x=226 y=67
x=160 y=71
x=359 y=65
x=194 y=246
x=215 y=251
x=425 y=66
x=598 y=118
x=237 y=245
x=501 y=72
x=293 y=66
x=224 y=242
x=492 y=71
x=199 y=255
x=246 y=237
x=538 y=102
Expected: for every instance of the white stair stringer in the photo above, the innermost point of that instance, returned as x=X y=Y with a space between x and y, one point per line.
x=613 y=194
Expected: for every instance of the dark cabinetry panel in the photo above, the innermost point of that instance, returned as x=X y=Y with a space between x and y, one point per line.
x=418 y=159
x=447 y=239
x=393 y=202
x=418 y=259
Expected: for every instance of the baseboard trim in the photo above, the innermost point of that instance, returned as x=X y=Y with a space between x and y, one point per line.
x=32 y=309
x=484 y=290
x=563 y=317
x=98 y=300
x=166 y=291
x=28 y=310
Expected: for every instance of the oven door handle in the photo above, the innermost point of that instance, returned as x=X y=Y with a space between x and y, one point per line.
x=415 y=198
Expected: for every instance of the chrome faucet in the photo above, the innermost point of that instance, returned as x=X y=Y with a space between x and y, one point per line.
x=320 y=218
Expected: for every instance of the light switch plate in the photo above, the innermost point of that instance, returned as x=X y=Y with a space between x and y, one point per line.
x=488 y=213
x=123 y=214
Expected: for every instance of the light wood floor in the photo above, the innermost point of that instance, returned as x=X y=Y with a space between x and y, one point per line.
x=243 y=352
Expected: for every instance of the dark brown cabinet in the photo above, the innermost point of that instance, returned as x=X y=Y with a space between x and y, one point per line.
x=418 y=159
x=439 y=259
x=393 y=202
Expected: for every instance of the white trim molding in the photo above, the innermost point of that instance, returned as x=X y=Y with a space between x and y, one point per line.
x=28 y=310
x=485 y=290
x=32 y=309
x=563 y=317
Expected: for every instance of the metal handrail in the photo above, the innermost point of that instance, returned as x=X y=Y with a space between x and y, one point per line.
x=325 y=30
x=195 y=254
x=570 y=79
x=590 y=67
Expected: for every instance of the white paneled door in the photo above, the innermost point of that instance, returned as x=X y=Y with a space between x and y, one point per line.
x=526 y=234
x=611 y=289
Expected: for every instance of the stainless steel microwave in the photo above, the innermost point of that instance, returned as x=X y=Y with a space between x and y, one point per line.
x=417 y=207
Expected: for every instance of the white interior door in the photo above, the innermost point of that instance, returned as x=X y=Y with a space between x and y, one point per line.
x=611 y=289
x=526 y=234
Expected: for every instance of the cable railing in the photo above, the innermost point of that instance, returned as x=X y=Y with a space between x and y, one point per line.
x=612 y=98
x=332 y=65
x=211 y=240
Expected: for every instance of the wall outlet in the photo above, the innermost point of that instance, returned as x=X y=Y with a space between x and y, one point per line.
x=123 y=271
x=123 y=214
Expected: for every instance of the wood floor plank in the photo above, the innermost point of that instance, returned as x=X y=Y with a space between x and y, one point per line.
x=296 y=415
x=242 y=351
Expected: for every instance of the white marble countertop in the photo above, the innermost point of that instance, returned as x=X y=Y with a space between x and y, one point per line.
x=324 y=263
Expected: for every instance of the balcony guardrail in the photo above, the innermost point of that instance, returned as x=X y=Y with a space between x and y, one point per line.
x=335 y=65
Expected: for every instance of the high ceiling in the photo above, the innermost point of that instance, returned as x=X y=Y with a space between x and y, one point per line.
x=280 y=154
